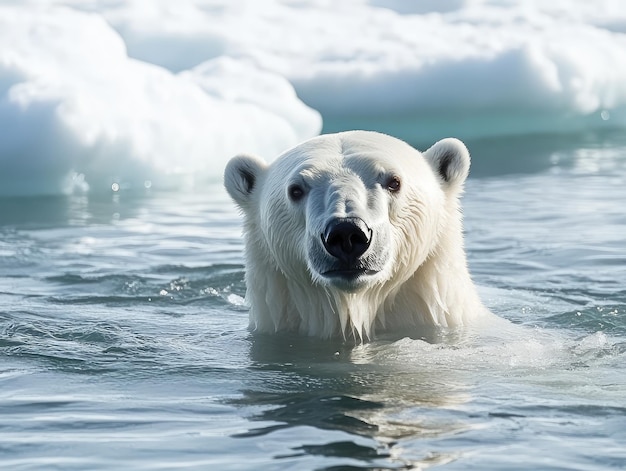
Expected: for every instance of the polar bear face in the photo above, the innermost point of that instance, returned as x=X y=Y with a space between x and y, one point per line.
x=348 y=212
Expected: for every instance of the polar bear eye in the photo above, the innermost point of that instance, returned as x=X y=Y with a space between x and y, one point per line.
x=295 y=192
x=393 y=184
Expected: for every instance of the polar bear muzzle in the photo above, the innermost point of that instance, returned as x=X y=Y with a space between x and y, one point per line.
x=347 y=239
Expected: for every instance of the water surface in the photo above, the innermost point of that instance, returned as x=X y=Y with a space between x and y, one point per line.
x=124 y=342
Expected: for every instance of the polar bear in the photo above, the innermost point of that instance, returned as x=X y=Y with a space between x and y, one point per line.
x=354 y=232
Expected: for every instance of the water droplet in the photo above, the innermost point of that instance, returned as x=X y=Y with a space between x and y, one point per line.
x=605 y=115
x=147 y=184
x=115 y=187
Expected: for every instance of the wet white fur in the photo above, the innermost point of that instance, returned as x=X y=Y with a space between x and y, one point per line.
x=425 y=281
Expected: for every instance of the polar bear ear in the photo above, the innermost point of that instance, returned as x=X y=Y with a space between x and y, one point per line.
x=241 y=177
x=450 y=159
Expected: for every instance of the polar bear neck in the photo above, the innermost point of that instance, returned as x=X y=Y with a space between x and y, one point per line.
x=441 y=292
x=279 y=303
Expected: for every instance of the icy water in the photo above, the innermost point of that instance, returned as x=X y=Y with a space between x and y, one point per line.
x=123 y=336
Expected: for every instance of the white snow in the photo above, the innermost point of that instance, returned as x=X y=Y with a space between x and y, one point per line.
x=123 y=92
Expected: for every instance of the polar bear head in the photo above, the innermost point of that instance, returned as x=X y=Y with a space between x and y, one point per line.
x=344 y=216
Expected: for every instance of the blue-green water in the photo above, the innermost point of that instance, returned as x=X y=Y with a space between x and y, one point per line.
x=123 y=337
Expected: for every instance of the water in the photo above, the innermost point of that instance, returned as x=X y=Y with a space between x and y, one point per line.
x=124 y=344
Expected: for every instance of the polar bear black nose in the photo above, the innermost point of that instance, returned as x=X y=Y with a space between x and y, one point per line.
x=347 y=238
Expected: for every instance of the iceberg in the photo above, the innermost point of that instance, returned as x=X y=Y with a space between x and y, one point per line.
x=137 y=93
x=418 y=70
x=77 y=113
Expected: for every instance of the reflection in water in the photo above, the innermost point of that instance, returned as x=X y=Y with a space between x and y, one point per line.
x=70 y=210
x=324 y=412
x=395 y=404
x=535 y=154
x=336 y=387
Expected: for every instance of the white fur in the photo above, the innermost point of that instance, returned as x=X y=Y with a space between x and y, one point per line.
x=421 y=277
